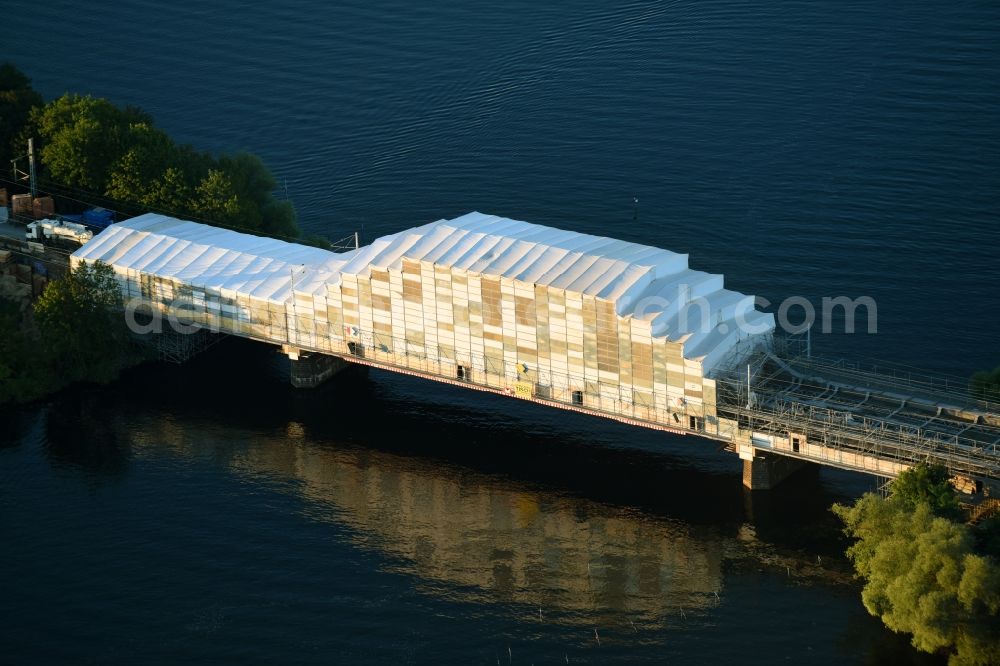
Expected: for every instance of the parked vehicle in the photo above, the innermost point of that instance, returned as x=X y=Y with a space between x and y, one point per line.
x=58 y=231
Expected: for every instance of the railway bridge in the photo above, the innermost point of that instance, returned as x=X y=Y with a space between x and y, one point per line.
x=568 y=320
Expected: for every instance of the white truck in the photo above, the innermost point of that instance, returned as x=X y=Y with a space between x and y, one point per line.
x=58 y=231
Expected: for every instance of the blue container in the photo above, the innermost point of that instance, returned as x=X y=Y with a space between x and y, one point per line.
x=98 y=218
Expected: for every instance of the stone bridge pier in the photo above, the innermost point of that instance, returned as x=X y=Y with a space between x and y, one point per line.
x=764 y=471
x=310 y=369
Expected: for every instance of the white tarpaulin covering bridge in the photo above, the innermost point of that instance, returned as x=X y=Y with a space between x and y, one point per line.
x=643 y=283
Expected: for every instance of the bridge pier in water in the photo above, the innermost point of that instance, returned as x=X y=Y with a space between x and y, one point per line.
x=764 y=471
x=309 y=369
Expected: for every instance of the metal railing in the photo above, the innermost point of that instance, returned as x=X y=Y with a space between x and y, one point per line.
x=778 y=404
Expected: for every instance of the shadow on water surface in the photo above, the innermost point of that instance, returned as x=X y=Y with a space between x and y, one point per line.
x=81 y=433
x=16 y=422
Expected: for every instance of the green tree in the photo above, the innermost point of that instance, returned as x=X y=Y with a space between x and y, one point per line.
x=279 y=219
x=22 y=376
x=926 y=484
x=986 y=385
x=988 y=536
x=317 y=240
x=81 y=325
x=216 y=200
x=254 y=186
x=12 y=347
x=170 y=193
x=17 y=99
x=922 y=574
x=138 y=173
x=83 y=138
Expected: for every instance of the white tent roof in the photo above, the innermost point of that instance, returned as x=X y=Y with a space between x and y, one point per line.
x=499 y=247
x=641 y=281
x=208 y=257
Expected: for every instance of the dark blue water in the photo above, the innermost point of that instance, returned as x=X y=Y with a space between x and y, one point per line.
x=207 y=513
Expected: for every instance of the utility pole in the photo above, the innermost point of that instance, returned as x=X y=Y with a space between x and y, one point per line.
x=290 y=311
x=31 y=167
x=30 y=176
x=749 y=405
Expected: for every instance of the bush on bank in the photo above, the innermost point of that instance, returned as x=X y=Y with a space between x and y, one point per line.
x=924 y=572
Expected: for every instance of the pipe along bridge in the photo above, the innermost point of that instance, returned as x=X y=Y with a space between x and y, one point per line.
x=568 y=320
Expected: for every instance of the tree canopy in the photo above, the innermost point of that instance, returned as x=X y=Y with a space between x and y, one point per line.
x=17 y=99
x=76 y=331
x=922 y=572
x=83 y=138
x=926 y=484
x=81 y=325
x=21 y=377
x=986 y=384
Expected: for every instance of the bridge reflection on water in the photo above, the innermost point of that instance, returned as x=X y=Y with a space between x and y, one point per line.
x=483 y=538
x=182 y=496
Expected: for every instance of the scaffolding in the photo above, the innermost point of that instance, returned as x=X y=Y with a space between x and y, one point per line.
x=848 y=409
x=177 y=347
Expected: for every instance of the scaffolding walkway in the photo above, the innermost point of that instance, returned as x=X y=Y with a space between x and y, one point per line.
x=884 y=415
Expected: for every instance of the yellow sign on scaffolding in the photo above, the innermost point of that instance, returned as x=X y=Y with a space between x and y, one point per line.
x=524 y=390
